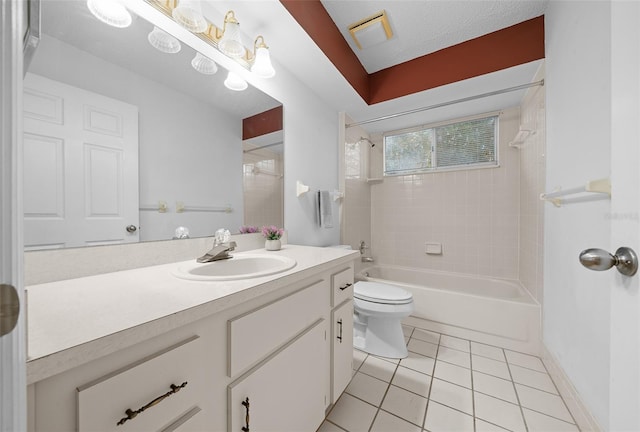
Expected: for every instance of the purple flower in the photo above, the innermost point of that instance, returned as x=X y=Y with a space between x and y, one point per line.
x=248 y=229
x=272 y=232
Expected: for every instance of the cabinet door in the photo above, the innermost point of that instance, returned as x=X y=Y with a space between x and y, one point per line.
x=342 y=348
x=286 y=392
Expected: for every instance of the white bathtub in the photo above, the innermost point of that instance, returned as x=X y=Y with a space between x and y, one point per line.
x=493 y=311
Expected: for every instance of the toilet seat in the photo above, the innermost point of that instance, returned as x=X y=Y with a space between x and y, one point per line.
x=375 y=292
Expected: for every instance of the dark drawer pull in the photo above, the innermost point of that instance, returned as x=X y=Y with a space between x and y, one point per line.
x=131 y=414
x=340 y=334
x=342 y=288
x=246 y=419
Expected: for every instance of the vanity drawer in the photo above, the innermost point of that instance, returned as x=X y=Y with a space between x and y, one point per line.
x=175 y=373
x=341 y=286
x=259 y=332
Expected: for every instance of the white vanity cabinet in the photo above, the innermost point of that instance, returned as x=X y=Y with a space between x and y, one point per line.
x=280 y=349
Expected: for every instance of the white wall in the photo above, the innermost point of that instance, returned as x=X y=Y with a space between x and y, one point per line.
x=576 y=301
x=189 y=151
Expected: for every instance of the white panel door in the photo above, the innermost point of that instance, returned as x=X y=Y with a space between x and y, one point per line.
x=80 y=166
x=624 y=356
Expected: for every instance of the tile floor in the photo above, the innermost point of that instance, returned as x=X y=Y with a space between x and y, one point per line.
x=449 y=384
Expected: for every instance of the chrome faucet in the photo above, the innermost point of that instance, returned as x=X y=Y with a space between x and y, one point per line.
x=218 y=252
x=221 y=247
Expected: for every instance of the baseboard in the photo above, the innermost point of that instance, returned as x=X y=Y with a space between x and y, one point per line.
x=581 y=414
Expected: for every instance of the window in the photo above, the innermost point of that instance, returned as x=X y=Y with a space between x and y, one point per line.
x=453 y=145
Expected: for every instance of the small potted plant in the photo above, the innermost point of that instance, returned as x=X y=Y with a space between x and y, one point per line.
x=272 y=236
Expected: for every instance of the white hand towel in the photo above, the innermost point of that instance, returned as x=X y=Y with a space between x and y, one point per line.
x=325 y=218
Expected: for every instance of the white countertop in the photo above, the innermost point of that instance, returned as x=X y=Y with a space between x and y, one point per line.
x=74 y=321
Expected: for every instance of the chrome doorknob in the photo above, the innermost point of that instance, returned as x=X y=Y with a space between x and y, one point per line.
x=625 y=260
x=131 y=228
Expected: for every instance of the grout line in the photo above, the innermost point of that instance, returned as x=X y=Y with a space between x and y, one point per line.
x=559 y=394
x=433 y=372
x=549 y=415
x=473 y=393
x=383 y=397
x=338 y=426
x=524 y=420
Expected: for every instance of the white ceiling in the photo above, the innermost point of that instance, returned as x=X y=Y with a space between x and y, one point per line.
x=425 y=26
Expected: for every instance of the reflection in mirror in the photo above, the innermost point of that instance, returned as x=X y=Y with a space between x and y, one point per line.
x=126 y=143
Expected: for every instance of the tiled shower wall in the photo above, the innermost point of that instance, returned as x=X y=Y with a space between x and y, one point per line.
x=262 y=186
x=532 y=184
x=473 y=213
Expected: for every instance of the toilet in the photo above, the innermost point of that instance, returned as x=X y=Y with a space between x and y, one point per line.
x=378 y=312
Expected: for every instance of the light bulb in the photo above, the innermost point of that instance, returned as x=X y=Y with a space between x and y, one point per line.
x=188 y=14
x=262 y=65
x=234 y=82
x=163 y=41
x=110 y=12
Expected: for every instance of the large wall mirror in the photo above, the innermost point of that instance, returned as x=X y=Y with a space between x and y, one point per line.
x=125 y=143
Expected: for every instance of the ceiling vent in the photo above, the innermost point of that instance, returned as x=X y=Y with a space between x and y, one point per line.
x=371 y=31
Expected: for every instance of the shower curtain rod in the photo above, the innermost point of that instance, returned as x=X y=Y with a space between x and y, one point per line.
x=443 y=104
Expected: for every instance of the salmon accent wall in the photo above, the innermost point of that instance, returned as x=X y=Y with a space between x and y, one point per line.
x=262 y=124
x=502 y=49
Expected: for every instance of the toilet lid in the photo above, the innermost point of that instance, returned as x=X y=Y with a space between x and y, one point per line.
x=381 y=293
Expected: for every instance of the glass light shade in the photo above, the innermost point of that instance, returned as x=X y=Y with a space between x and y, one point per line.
x=110 y=12
x=262 y=65
x=235 y=83
x=163 y=41
x=189 y=15
x=230 y=43
x=204 y=65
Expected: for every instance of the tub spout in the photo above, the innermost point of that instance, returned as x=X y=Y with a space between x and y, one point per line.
x=367 y=259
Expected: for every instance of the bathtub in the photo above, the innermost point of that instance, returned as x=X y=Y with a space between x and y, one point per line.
x=492 y=311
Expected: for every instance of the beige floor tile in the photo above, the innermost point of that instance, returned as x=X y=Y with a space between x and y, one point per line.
x=531 y=378
x=419 y=363
x=490 y=366
x=537 y=422
x=525 y=360
x=453 y=373
x=454 y=356
x=387 y=359
x=329 y=427
x=358 y=358
x=543 y=402
x=412 y=380
x=487 y=351
x=493 y=386
x=452 y=395
x=426 y=335
x=407 y=330
x=499 y=412
x=386 y=422
x=378 y=368
x=441 y=418
x=454 y=342
x=420 y=347
x=405 y=404
x=483 y=426
x=352 y=414
x=367 y=388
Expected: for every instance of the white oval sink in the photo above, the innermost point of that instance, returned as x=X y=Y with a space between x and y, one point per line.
x=241 y=266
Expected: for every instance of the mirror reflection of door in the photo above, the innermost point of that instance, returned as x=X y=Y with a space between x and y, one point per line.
x=80 y=167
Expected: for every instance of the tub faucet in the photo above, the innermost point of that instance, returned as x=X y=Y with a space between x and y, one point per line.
x=221 y=247
x=363 y=246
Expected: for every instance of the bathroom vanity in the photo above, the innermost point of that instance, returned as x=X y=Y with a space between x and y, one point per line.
x=141 y=349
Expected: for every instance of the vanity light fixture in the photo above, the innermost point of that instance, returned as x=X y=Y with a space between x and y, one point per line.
x=204 y=64
x=189 y=15
x=262 y=60
x=235 y=82
x=163 y=41
x=229 y=37
x=111 y=12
